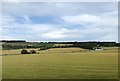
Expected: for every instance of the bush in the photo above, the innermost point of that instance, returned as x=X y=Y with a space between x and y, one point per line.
x=24 y=52
x=43 y=48
x=32 y=51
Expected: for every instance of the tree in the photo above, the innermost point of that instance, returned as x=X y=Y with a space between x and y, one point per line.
x=24 y=52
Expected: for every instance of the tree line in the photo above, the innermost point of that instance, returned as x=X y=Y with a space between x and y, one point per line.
x=48 y=45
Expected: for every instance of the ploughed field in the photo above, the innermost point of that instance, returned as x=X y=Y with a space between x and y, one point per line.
x=61 y=63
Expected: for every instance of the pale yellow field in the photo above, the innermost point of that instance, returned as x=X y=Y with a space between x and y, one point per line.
x=62 y=44
x=63 y=50
x=15 y=51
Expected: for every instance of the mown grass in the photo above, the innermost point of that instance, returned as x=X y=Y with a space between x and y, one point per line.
x=63 y=63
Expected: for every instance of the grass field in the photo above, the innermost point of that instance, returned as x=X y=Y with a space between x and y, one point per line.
x=62 y=63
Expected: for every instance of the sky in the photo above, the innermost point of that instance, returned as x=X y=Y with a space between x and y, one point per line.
x=59 y=21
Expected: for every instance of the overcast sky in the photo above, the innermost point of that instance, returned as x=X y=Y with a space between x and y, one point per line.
x=67 y=21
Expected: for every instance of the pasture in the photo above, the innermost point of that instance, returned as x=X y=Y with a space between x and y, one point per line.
x=62 y=63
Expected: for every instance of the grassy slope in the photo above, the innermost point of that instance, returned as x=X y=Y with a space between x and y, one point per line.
x=62 y=63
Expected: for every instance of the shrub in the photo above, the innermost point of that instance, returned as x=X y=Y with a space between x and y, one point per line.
x=24 y=52
x=43 y=48
x=32 y=51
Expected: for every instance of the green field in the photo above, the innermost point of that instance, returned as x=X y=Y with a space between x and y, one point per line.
x=62 y=63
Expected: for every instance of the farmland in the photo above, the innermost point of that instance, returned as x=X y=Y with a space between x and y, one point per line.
x=61 y=63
